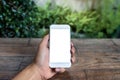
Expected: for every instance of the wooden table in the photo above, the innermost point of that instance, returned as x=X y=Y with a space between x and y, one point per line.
x=97 y=59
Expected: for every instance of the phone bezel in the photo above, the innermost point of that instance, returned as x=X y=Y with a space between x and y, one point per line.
x=63 y=65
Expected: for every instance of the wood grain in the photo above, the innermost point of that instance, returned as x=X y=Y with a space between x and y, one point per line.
x=96 y=59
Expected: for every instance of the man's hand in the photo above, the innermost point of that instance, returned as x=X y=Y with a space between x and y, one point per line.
x=39 y=69
x=42 y=59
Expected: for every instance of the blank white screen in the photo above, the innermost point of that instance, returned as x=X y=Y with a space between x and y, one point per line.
x=60 y=45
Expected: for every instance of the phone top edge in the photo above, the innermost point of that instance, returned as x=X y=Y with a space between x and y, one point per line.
x=59 y=26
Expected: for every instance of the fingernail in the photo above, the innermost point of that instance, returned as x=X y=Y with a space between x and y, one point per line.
x=71 y=44
x=57 y=70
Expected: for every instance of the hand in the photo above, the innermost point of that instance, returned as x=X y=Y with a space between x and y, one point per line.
x=42 y=59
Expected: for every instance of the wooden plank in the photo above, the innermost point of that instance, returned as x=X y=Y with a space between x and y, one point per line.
x=87 y=57
x=116 y=41
x=97 y=74
x=94 y=42
x=26 y=61
x=18 y=51
x=14 y=41
x=97 y=54
x=94 y=45
x=7 y=75
x=103 y=74
x=10 y=63
x=35 y=41
x=74 y=75
x=97 y=59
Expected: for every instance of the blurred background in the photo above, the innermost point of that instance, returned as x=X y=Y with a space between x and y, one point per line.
x=87 y=18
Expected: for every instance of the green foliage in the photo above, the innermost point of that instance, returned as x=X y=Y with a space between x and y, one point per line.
x=102 y=22
x=20 y=18
x=83 y=22
x=110 y=16
x=54 y=15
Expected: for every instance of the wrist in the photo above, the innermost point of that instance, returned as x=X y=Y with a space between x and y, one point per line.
x=32 y=72
x=38 y=71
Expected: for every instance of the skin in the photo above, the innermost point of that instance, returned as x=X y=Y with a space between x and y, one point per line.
x=39 y=69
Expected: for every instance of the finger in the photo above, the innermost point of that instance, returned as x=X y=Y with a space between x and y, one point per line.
x=60 y=70
x=72 y=48
x=45 y=40
x=72 y=44
x=73 y=54
x=52 y=73
x=73 y=51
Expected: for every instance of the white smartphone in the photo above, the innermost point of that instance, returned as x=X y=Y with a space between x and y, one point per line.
x=60 y=46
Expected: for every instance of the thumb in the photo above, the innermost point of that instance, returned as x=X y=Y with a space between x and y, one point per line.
x=45 y=40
